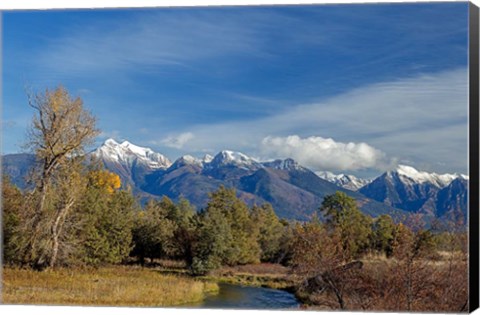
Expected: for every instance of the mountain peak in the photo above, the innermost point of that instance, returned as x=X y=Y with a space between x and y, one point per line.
x=346 y=181
x=233 y=155
x=186 y=160
x=110 y=142
x=207 y=158
x=141 y=151
x=126 y=144
x=227 y=157
x=286 y=164
x=421 y=177
x=127 y=153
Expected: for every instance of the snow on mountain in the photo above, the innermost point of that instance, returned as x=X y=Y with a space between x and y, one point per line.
x=408 y=189
x=128 y=154
x=187 y=160
x=207 y=158
x=227 y=157
x=287 y=164
x=346 y=181
x=410 y=174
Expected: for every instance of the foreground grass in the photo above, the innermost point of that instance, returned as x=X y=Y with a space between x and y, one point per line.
x=118 y=285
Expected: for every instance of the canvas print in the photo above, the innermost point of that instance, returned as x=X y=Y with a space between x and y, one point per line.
x=304 y=157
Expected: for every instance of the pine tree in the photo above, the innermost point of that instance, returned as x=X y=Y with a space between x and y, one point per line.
x=214 y=239
x=12 y=204
x=269 y=231
x=226 y=233
x=107 y=216
x=344 y=219
x=383 y=234
x=153 y=231
x=184 y=234
x=243 y=248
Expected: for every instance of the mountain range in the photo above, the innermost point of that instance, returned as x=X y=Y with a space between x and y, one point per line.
x=294 y=191
x=436 y=195
x=346 y=181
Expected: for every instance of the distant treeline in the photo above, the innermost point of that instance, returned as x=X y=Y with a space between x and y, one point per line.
x=108 y=226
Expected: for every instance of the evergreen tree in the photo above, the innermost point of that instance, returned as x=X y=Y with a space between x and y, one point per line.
x=269 y=231
x=107 y=216
x=286 y=241
x=12 y=204
x=185 y=232
x=344 y=219
x=214 y=238
x=153 y=231
x=226 y=233
x=243 y=248
x=383 y=234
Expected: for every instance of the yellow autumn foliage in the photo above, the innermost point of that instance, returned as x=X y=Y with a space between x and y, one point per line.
x=105 y=179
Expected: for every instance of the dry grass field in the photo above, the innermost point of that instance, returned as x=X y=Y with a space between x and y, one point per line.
x=108 y=286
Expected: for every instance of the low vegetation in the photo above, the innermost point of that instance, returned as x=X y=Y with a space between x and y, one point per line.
x=114 y=286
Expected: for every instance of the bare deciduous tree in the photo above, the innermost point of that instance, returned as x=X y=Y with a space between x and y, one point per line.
x=60 y=130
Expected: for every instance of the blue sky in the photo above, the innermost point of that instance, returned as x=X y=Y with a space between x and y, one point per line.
x=350 y=88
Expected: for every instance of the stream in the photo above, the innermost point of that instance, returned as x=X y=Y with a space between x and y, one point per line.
x=243 y=297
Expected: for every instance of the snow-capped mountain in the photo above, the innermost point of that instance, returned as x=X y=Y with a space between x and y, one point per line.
x=293 y=190
x=187 y=160
x=129 y=154
x=287 y=164
x=131 y=162
x=410 y=174
x=346 y=181
x=238 y=159
x=417 y=191
x=207 y=158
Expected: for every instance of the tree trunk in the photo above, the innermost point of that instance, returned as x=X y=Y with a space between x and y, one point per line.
x=57 y=230
x=32 y=241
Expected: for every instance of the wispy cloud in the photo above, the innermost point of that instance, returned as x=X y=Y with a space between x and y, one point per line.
x=160 y=38
x=178 y=141
x=423 y=118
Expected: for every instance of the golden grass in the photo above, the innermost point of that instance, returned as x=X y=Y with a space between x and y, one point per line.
x=113 y=286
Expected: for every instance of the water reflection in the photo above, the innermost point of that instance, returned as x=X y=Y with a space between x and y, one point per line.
x=241 y=297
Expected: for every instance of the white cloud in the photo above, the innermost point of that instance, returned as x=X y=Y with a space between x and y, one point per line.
x=178 y=141
x=422 y=119
x=320 y=153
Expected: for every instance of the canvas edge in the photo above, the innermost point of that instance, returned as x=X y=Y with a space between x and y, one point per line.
x=474 y=157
